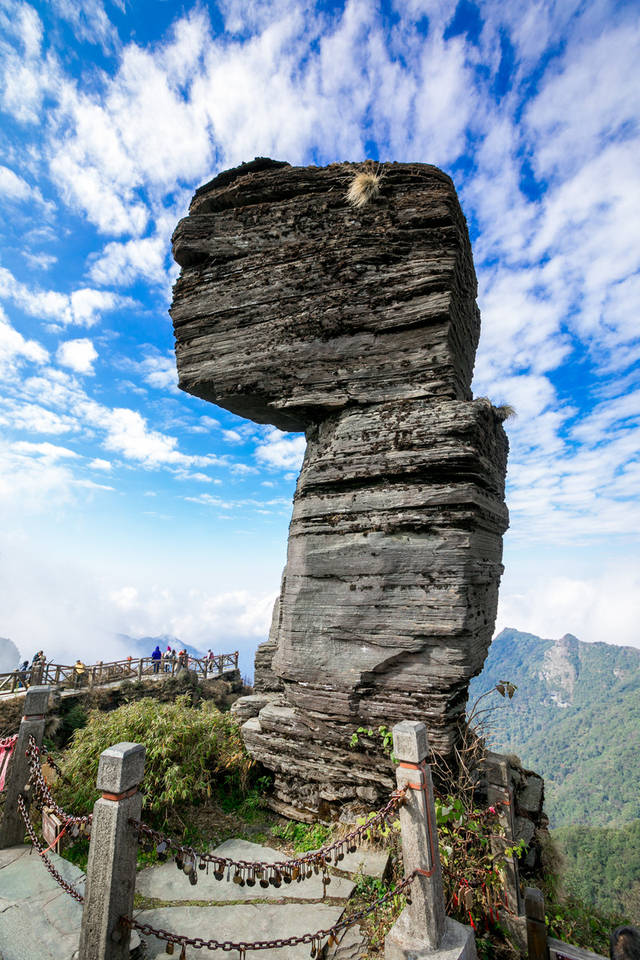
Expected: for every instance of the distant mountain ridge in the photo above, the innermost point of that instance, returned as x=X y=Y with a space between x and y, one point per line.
x=144 y=646
x=575 y=719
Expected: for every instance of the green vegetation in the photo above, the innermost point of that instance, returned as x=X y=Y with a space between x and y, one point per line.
x=377 y=924
x=191 y=754
x=576 y=922
x=602 y=866
x=383 y=735
x=575 y=721
x=472 y=865
x=303 y=836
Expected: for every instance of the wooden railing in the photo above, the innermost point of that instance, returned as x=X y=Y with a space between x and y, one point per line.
x=116 y=670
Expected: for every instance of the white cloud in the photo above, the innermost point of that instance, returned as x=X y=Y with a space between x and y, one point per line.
x=233 y=615
x=222 y=503
x=89 y=20
x=281 y=450
x=31 y=482
x=40 y=261
x=105 y=466
x=159 y=371
x=600 y=75
x=23 y=75
x=13 y=186
x=15 y=349
x=137 y=132
x=603 y=607
x=34 y=418
x=205 y=425
x=127 y=433
x=48 y=451
x=86 y=305
x=83 y=306
x=121 y=264
x=78 y=355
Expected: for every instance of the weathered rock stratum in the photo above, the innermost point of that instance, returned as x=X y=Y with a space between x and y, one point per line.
x=359 y=327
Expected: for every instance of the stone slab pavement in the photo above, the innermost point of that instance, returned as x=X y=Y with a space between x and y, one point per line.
x=225 y=911
x=38 y=920
x=246 y=921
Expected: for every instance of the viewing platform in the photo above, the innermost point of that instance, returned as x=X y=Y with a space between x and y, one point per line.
x=70 y=679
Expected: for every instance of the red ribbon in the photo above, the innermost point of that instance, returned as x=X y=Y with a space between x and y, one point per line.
x=6 y=749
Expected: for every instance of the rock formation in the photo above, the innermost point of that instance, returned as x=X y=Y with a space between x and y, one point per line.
x=359 y=327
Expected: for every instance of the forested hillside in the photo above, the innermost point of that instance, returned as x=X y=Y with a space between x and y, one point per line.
x=602 y=866
x=575 y=719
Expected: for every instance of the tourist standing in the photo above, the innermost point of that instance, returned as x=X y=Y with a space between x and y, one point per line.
x=79 y=671
x=156 y=656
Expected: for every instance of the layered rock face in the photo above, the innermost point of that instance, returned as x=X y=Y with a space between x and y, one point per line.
x=359 y=327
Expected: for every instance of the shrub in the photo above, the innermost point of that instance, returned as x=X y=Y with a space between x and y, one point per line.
x=191 y=752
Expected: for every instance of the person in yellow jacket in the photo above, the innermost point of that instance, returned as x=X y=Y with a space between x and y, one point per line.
x=79 y=673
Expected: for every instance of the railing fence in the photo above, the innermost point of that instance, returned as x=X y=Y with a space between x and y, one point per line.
x=100 y=673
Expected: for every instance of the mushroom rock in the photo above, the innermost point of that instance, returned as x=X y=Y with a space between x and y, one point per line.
x=360 y=327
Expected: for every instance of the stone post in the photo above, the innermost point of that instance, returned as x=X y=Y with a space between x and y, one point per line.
x=500 y=791
x=36 y=702
x=111 y=870
x=422 y=929
x=537 y=948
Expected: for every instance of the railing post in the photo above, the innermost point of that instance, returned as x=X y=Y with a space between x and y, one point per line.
x=36 y=702
x=111 y=870
x=422 y=929
x=497 y=773
x=537 y=948
x=140 y=666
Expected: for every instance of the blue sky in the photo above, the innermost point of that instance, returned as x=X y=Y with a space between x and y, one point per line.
x=129 y=507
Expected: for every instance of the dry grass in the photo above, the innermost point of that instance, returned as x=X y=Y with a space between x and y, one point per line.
x=364 y=188
x=504 y=412
x=501 y=412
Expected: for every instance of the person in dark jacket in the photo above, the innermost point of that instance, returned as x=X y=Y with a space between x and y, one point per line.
x=156 y=656
x=23 y=669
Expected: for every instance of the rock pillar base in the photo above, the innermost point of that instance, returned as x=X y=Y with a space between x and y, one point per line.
x=458 y=943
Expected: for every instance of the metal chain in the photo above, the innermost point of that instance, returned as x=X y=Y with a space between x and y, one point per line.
x=315 y=939
x=36 y=843
x=43 y=797
x=282 y=871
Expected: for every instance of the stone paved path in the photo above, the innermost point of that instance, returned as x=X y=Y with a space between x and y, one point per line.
x=37 y=918
x=39 y=921
x=226 y=911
